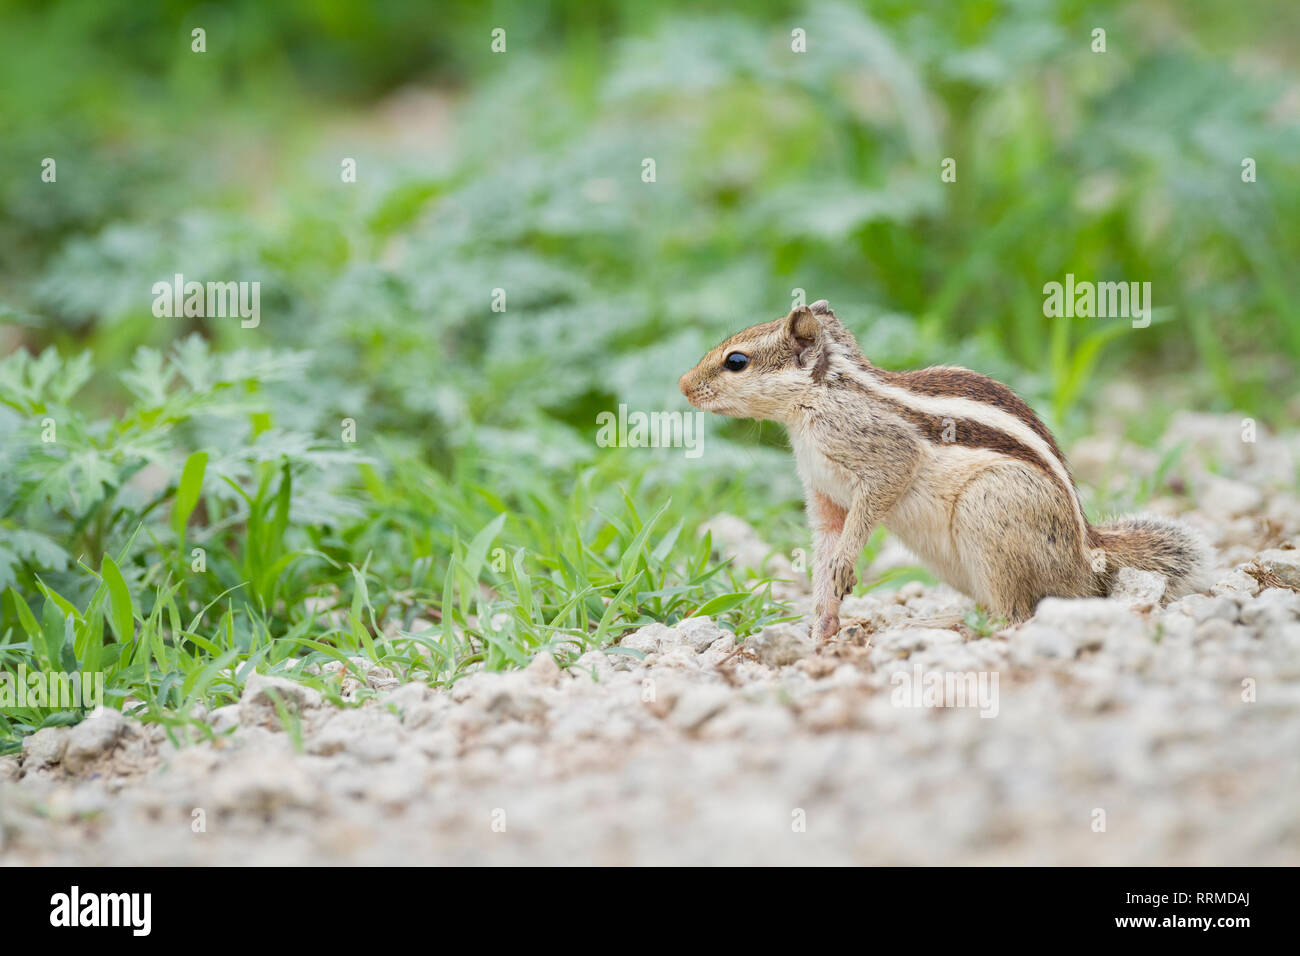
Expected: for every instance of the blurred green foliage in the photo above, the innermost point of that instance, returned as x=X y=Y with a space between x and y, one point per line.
x=522 y=171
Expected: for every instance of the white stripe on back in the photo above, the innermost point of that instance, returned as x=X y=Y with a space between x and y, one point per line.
x=949 y=406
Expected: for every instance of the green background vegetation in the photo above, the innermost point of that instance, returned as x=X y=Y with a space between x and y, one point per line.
x=474 y=519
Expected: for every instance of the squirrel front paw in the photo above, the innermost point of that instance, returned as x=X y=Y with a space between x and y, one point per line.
x=826 y=625
x=843 y=579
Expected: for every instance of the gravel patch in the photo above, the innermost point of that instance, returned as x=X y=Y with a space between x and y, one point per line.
x=1126 y=730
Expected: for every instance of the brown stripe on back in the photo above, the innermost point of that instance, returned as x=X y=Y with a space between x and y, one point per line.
x=945 y=382
x=964 y=431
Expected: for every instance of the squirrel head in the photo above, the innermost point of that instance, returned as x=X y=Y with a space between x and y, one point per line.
x=765 y=371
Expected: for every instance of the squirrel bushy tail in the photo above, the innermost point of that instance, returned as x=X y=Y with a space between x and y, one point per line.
x=1151 y=544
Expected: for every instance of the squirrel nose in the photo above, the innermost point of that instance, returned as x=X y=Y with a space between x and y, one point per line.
x=682 y=384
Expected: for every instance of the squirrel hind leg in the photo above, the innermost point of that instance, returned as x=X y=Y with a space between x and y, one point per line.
x=1008 y=599
x=1018 y=538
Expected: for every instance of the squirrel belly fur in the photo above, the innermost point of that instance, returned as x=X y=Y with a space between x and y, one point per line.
x=953 y=463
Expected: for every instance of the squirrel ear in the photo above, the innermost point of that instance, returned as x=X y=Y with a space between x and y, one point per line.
x=822 y=307
x=804 y=328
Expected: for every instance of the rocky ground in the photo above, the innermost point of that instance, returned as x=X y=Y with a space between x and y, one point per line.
x=1122 y=730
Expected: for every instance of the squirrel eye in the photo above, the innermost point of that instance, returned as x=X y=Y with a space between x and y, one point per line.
x=735 y=361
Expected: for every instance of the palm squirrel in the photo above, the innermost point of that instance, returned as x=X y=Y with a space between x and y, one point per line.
x=953 y=463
